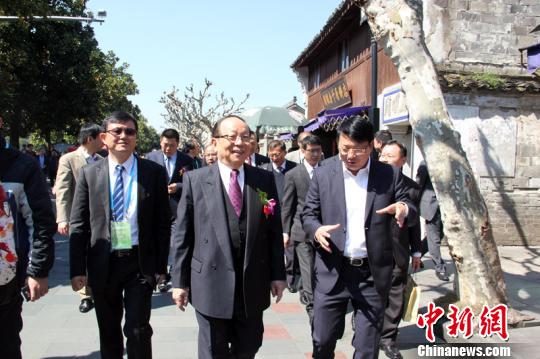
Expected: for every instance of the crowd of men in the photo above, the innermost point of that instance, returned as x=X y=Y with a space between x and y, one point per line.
x=225 y=232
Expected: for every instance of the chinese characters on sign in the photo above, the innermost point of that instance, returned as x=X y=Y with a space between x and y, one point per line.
x=336 y=95
x=491 y=321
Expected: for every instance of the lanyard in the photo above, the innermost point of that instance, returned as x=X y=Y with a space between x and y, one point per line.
x=130 y=185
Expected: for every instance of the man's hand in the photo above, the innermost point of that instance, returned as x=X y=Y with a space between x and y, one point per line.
x=180 y=297
x=286 y=240
x=172 y=188
x=415 y=264
x=277 y=287
x=322 y=234
x=38 y=287
x=78 y=282
x=63 y=228
x=398 y=209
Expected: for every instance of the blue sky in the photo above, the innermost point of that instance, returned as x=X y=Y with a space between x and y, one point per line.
x=242 y=46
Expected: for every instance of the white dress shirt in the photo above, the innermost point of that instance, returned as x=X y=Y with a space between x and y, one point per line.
x=355 y=204
x=310 y=169
x=225 y=174
x=278 y=169
x=130 y=213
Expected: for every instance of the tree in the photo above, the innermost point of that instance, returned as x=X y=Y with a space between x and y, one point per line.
x=192 y=114
x=397 y=26
x=147 y=136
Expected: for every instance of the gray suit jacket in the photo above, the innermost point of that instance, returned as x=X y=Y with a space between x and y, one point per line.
x=66 y=179
x=90 y=234
x=294 y=195
x=325 y=204
x=202 y=247
x=428 y=199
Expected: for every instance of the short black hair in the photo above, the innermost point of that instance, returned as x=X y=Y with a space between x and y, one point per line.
x=216 y=129
x=312 y=140
x=277 y=143
x=383 y=136
x=119 y=117
x=402 y=148
x=358 y=128
x=171 y=133
x=89 y=130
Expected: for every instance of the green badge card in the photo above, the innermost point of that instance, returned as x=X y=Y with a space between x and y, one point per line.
x=121 y=235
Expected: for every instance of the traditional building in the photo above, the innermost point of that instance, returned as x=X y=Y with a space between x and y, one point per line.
x=486 y=53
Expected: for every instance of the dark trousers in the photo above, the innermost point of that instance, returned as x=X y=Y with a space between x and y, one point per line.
x=394 y=307
x=229 y=338
x=434 y=232
x=126 y=288
x=291 y=267
x=355 y=284
x=305 y=252
x=11 y=321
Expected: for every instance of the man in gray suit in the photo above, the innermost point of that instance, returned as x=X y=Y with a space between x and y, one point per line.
x=228 y=247
x=296 y=186
x=430 y=211
x=66 y=179
x=119 y=238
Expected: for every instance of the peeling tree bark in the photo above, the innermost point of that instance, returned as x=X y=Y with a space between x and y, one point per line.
x=397 y=26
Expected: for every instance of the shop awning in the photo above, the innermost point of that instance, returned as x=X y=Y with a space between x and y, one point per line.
x=330 y=119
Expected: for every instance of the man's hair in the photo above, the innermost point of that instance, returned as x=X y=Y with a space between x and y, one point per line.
x=275 y=144
x=119 y=117
x=188 y=146
x=171 y=133
x=312 y=140
x=301 y=137
x=357 y=128
x=89 y=130
x=402 y=148
x=383 y=136
x=216 y=129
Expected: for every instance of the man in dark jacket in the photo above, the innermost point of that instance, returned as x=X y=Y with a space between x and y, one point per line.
x=25 y=211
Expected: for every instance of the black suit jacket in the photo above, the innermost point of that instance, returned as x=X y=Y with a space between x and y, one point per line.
x=260 y=159
x=325 y=204
x=294 y=195
x=428 y=200
x=202 y=249
x=90 y=235
x=407 y=239
x=279 y=177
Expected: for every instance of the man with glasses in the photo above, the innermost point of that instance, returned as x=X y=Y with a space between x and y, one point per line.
x=279 y=166
x=228 y=247
x=296 y=186
x=119 y=235
x=66 y=179
x=176 y=163
x=349 y=207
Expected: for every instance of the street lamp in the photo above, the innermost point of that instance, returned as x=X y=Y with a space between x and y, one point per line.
x=101 y=14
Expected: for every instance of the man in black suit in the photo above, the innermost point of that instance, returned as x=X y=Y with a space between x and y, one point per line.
x=228 y=247
x=430 y=211
x=176 y=163
x=254 y=158
x=296 y=186
x=407 y=244
x=348 y=210
x=119 y=235
x=279 y=166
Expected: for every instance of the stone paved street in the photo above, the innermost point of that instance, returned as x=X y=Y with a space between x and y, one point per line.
x=54 y=328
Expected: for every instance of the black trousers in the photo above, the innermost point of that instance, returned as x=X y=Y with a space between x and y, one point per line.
x=11 y=321
x=126 y=289
x=305 y=252
x=434 y=233
x=394 y=308
x=355 y=284
x=229 y=338
x=291 y=267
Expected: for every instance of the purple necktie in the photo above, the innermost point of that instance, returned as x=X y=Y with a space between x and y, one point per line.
x=235 y=194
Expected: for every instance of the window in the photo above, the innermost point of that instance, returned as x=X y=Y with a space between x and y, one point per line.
x=343 y=55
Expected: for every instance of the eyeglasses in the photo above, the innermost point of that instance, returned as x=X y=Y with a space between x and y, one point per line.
x=355 y=150
x=278 y=154
x=314 y=152
x=118 y=131
x=234 y=138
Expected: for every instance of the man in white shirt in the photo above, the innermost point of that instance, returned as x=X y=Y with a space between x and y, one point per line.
x=348 y=210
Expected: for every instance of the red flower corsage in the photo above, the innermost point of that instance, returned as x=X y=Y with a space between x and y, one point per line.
x=268 y=204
